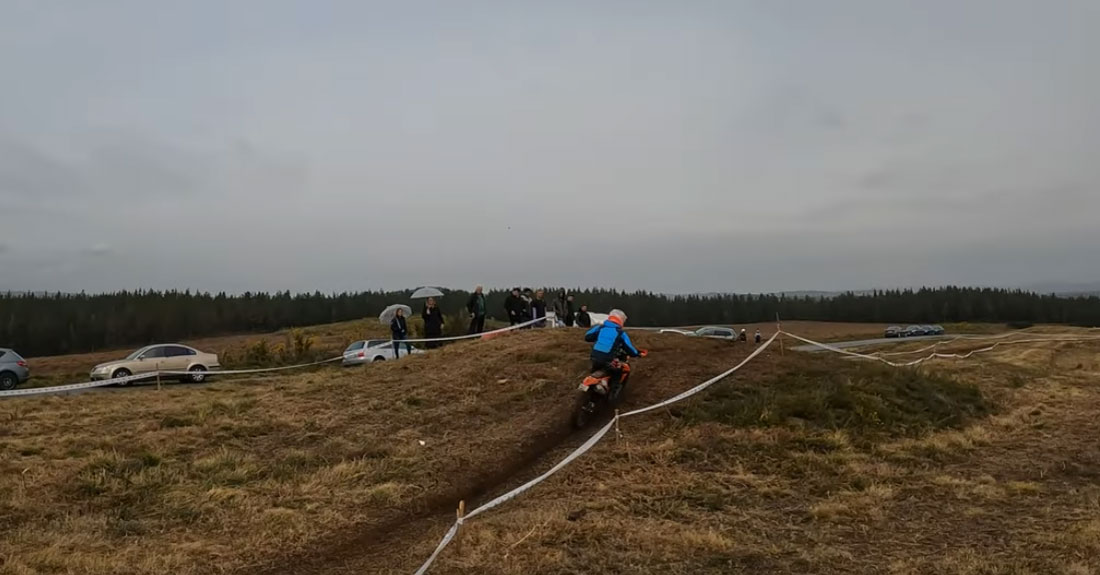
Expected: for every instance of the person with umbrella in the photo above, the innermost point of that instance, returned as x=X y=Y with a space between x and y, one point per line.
x=433 y=316
x=399 y=330
x=433 y=322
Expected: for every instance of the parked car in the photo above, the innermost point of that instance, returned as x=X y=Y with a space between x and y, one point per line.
x=372 y=350
x=160 y=357
x=706 y=331
x=711 y=331
x=913 y=330
x=894 y=331
x=13 y=369
x=937 y=330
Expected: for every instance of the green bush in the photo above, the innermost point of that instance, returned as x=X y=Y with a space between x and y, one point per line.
x=862 y=397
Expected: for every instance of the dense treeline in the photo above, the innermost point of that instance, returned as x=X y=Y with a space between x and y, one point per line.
x=38 y=324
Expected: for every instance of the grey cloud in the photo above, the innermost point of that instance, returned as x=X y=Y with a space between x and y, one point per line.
x=698 y=147
x=108 y=165
x=98 y=250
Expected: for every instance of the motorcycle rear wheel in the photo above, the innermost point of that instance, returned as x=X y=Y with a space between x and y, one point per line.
x=586 y=408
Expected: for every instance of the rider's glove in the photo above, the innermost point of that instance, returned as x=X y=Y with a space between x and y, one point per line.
x=643 y=352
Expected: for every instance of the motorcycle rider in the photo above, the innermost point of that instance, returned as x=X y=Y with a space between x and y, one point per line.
x=611 y=341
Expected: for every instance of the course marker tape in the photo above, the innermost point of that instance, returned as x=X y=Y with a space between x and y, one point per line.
x=584 y=448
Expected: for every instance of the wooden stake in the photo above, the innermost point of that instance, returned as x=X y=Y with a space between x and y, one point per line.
x=779 y=330
x=618 y=434
x=461 y=509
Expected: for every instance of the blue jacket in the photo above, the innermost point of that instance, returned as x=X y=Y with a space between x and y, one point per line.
x=610 y=341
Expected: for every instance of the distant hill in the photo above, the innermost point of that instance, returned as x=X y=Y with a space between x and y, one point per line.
x=1066 y=288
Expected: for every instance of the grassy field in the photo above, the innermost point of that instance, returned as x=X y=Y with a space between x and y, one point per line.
x=329 y=340
x=815 y=465
x=800 y=464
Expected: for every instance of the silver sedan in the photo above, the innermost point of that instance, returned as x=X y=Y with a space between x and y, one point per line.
x=372 y=350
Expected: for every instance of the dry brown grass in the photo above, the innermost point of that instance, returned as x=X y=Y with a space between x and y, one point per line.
x=799 y=464
x=1013 y=493
x=239 y=474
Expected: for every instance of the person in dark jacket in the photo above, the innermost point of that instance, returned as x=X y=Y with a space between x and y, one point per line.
x=610 y=341
x=476 y=306
x=583 y=319
x=559 y=307
x=399 y=331
x=513 y=306
x=570 y=313
x=433 y=322
x=538 y=308
x=525 y=301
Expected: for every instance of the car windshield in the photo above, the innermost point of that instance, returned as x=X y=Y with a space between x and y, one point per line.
x=136 y=354
x=356 y=345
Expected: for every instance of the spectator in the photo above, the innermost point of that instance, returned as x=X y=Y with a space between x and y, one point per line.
x=513 y=306
x=433 y=322
x=525 y=300
x=399 y=328
x=583 y=319
x=744 y=336
x=757 y=336
x=538 y=308
x=570 y=314
x=559 y=308
x=476 y=307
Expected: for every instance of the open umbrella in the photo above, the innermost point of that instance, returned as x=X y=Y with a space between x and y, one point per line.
x=426 y=292
x=387 y=314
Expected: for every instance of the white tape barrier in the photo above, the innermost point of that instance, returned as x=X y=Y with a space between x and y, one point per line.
x=584 y=448
x=72 y=386
x=936 y=355
x=474 y=335
x=1036 y=336
x=154 y=375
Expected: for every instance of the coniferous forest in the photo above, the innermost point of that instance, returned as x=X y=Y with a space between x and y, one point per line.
x=47 y=324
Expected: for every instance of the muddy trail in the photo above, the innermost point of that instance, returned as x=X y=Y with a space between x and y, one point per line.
x=400 y=540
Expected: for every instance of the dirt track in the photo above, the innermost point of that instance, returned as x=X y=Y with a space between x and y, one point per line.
x=388 y=546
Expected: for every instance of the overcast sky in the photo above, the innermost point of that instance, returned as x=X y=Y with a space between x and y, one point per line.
x=672 y=146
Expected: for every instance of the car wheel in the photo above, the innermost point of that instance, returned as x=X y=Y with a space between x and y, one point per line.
x=7 y=381
x=378 y=358
x=121 y=373
x=198 y=374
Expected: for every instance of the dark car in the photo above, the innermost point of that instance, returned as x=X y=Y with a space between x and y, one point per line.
x=937 y=330
x=13 y=369
x=913 y=330
x=893 y=331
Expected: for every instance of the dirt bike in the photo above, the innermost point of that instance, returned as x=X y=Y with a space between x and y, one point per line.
x=596 y=391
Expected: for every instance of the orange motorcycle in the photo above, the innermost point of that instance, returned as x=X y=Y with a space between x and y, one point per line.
x=597 y=390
